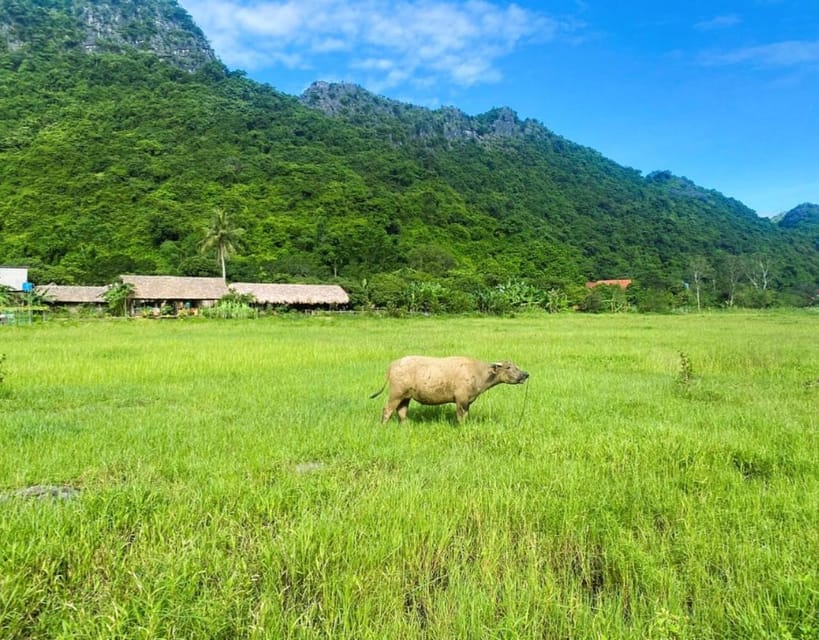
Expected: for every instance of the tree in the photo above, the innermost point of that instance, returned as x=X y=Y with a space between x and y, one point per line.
x=731 y=270
x=700 y=271
x=757 y=269
x=117 y=297
x=221 y=235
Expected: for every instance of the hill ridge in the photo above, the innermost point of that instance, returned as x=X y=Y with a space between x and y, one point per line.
x=113 y=163
x=160 y=27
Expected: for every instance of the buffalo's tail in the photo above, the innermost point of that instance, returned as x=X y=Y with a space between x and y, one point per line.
x=378 y=393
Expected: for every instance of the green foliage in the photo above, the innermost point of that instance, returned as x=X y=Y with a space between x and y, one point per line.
x=117 y=297
x=238 y=298
x=114 y=162
x=221 y=234
x=6 y=296
x=518 y=295
x=232 y=306
x=425 y=296
x=686 y=371
x=556 y=301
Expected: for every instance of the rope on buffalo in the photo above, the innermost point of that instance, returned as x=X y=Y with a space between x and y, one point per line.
x=523 y=406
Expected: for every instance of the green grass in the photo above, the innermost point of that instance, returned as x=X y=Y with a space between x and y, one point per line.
x=235 y=481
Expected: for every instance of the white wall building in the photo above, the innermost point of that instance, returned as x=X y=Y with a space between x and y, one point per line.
x=13 y=277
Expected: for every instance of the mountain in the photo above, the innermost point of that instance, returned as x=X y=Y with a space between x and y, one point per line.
x=159 y=27
x=802 y=220
x=805 y=215
x=121 y=134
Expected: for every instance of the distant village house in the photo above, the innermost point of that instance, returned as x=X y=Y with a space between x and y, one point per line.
x=298 y=296
x=153 y=293
x=171 y=295
x=73 y=298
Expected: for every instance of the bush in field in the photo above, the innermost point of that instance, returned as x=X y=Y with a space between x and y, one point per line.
x=428 y=297
x=605 y=298
x=652 y=300
x=754 y=298
x=592 y=302
x=686 y=372
x=460 y=301
x=512 y=295
x=233 y=306
x=494 y=302
x=385 y=291
x=556 y=300
x=521 y=295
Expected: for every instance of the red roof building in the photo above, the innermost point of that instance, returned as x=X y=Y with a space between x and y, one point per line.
x=623 y=284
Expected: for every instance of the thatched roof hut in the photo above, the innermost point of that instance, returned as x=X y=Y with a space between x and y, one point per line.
x=302 y=295
x=176 y=288
x=72 y=295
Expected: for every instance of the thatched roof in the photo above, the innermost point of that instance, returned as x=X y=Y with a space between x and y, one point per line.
x=63 y=294
x=176 y=288
x=266 y=293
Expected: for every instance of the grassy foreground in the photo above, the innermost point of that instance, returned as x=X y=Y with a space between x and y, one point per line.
x=233 y=480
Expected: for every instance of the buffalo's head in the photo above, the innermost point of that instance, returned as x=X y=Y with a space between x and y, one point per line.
x=508 y=373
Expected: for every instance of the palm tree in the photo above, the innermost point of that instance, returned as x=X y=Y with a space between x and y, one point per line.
x=222 y=235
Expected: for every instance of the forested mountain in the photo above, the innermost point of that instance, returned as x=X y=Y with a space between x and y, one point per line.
x=121 y=135
x=159 y=27
x=804 y=218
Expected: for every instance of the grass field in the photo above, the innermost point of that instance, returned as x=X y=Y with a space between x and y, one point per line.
x=231 y=480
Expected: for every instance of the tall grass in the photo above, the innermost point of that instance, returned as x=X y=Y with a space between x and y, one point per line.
x=234 y=481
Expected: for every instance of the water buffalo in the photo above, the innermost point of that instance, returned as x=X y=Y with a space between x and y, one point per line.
x=442 y=380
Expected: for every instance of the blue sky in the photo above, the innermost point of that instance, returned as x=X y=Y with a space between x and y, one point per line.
x=725 y=93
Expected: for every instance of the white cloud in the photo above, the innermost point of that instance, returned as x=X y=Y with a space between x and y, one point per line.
x=719 y=22
x=377 y=64
x=459 y=42
x=789 y=53
x=330 y=45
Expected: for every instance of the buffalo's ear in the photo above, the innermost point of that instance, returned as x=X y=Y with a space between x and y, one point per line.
x=495 y=366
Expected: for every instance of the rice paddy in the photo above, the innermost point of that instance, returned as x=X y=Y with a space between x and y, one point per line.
x=658 y=476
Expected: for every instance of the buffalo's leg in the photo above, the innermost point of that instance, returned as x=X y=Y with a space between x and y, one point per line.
x=391 y=406
x=402 y=411
x=386 y=414
x=461 y=411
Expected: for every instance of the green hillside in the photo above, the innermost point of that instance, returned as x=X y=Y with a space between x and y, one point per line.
x=117 y=147
x=803 y=218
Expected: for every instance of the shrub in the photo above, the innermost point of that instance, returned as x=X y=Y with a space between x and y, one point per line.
x=556 y=301
x=118 y=296
x=231 y=307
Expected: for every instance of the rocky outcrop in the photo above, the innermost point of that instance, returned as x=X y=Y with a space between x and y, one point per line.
x=159 y=27
x=358 y=106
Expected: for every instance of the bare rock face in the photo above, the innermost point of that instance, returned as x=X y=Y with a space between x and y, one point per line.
x=159 y=27
x=399 y=120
